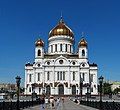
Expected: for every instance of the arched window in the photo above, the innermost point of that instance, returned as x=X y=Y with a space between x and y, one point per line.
x=48 y=75
x=55 y=47
x=60 y=47
x=51 y=48
x=39 y=52
x=83 y=52
x=70 y=48
x=65 y=47
x=38 y=76
x=73 y=75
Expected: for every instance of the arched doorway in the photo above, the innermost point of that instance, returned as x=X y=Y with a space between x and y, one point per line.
x=61 y=89
x=73 y=90
x=48 y=90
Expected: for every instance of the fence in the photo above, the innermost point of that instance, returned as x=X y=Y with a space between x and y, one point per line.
x=104 y=105
x=13 y=105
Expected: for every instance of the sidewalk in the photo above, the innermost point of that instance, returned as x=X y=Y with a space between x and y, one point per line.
x=67 y=105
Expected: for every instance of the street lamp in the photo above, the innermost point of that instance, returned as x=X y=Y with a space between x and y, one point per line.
x=88 y=93
x=32 y=93
x=100 y=82
x=81 y=86
x=18 y=90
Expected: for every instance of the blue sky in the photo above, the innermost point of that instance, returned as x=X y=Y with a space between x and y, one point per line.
x=22 y=22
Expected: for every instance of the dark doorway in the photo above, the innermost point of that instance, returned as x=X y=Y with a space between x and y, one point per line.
x=73 y=90
x=48 y=90
x=61 y=89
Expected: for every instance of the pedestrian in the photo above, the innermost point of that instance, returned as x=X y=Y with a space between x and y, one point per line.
x=57 y=103
x=51 y=102
x=42 y=103
x=46 y=102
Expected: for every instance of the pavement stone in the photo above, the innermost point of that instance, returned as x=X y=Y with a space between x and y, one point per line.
x=67 y=105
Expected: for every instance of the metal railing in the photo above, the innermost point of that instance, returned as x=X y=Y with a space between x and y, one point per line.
x=104 y=105
x=13 y=105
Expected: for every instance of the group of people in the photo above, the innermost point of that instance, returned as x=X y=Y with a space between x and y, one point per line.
x=50 y=102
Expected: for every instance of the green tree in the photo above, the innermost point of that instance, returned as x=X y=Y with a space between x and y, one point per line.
x=116 y=91
x=107 y=88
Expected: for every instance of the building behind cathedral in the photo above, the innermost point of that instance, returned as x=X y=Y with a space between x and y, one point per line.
x=60 y=71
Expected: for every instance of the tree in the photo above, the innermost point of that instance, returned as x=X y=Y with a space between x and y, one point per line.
x=116 y=91
x=107 y=88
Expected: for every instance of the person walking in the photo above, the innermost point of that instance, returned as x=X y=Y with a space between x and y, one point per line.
x=42 y=103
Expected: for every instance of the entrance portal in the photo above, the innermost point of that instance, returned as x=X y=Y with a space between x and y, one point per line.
x=61 y=89
x=73 y=90
x=48 y=90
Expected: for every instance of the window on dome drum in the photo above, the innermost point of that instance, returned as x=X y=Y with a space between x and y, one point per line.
x=55 y=47
x=65 y=47
x=70 y=48
x=83 y=52
x=38 y=76
x=30 y=77
x=91 y=77
x=51 y=48
x=60 y=47
x=61 y=75
x=73 y=75
x=48 y=75
x=39 y=52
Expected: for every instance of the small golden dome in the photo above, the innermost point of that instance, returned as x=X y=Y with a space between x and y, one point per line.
x=39 y=42
x=61 y=29
x=82 y=43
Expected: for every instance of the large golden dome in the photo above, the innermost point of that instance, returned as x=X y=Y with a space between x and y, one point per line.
x=39 y=42
x=61 y=29
x=82 y=43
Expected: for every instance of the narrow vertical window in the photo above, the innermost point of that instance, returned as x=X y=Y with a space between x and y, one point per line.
x=51 y=48
x=38 y=76
x=83 y=76
x=60 y=75
x=55 y=47
x=30 y=77
x=57 y=75
x=66 y=47
x=48 y=75
x=83 y=52
x=70 y=48
x=60 y=47
x=73 y=75
x=39 y=52
x=91 y=78
x=63 y=75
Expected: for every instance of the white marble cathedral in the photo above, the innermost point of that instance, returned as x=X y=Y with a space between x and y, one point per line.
x=60 y=71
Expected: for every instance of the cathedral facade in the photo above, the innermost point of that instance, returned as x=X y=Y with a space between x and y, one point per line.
x=60 y=71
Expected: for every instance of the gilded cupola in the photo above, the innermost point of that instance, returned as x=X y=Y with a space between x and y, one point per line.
x=61 y=29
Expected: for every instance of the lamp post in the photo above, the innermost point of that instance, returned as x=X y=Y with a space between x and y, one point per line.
x=81 y=86
x=88 y=93
x=101 y=82
x=32 y=93
x=18 y=90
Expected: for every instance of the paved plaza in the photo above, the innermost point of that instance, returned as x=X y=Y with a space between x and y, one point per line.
x=67 y=105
